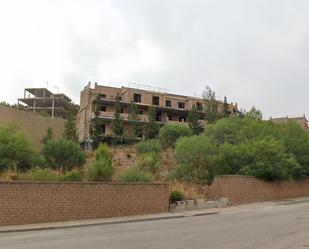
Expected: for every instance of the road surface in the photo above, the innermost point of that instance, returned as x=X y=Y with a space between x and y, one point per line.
x=264 y=226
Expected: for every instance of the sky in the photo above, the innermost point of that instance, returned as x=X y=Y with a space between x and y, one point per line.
x=254 y=52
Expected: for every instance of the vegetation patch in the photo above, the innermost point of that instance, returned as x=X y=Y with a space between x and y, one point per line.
x=134 y=174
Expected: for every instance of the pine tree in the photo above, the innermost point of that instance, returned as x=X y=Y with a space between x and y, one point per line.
x=70 y=132
x=117 y=122
x=95 y=125
x=211 y=105
x=225 y=108
x=151 y=128
x=135 y=120
x=49 y=135
x=254 y=113
x=194 y=121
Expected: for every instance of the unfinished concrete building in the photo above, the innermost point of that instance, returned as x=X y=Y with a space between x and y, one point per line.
x=41 y=100
x=170 y=108
x=302 y=121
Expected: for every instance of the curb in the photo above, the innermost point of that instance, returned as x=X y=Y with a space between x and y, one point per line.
x=53 y=227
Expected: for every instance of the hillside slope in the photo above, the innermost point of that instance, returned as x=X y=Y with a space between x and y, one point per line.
x=33 y=125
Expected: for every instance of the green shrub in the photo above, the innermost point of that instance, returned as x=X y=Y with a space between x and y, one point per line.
x=38 y=174
x=176 y=196
x=16 y=153
x=149 y=162
x=135 y=174
x=100 y=170
x=103 y=151
x=63 y=154
x=266 y=159
x=194 y=159
x=148 y=146
x=169 y=134
x=296 y=142
x=71 y=176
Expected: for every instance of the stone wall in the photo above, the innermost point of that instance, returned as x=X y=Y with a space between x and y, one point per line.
x=35 y=202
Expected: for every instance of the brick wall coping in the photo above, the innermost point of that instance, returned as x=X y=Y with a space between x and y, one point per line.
x=82 y=183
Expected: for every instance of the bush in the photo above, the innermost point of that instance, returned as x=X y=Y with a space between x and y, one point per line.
x=194 y=159
x=296 y=142
x=134 y=174
x=16 y=153
x=266 y=159
x=38 y=174
x=63 y=154
x=169 y=134
x=103 y=151
x=149 y=162
x=175 y=196
x=148 y=146
x=100 y=170
x=72 y=176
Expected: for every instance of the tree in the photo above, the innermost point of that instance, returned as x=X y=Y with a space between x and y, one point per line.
x=266 y=159
x=194 y=159
x=117 y=122
x=135 y=120
x=194 y=121
x=63 y=155
x=151 y=128
x=210 y=105
x=70 y=127
x=49 y=135
x=254 y=113
x=16 y=153
x=101 y=169
x=296 y=142
x=225 y=107
x=169 y=134
x=95 y=125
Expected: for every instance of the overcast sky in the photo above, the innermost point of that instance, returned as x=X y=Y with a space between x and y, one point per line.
x=253 y=51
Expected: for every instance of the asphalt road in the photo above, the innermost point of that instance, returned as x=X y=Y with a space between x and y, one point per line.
x=265 y=226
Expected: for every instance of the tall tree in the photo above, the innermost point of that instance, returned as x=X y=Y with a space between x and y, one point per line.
x=210 y=105
x=194 y=121
x=117 y=122
x=225 y=107
x=95 y=125
x=254 y=113
x=135 y=120
x=70 y=132
x=151 y=128
x=49 y=135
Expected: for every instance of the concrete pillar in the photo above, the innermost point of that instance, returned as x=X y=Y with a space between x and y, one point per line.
x=53 y=106
x=24 y=93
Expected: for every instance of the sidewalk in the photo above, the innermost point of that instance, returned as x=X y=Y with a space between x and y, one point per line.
x=106 y=221
x=148 y=217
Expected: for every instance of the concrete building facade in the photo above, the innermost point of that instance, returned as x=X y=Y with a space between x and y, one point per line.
x=170 y=108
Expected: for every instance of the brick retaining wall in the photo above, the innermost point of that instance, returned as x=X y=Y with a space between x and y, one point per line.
x=34 y=202
x=246 y=189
